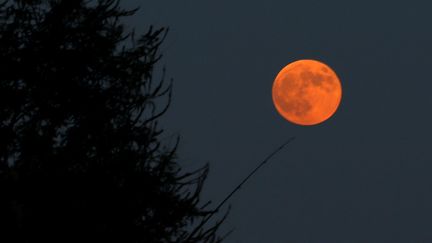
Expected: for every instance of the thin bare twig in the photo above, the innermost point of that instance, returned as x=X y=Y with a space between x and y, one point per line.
x=239 y=186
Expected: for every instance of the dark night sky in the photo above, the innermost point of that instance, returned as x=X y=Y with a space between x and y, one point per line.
x=362 y=176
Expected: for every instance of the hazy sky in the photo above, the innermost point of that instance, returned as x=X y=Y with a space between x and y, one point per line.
x=362 y=176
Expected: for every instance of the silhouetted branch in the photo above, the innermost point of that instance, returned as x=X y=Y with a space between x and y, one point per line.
x=207 y=218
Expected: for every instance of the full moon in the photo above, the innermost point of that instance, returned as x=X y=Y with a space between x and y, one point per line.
x=306 y=92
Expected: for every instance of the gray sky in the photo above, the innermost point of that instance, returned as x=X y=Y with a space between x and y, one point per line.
x=362 y=176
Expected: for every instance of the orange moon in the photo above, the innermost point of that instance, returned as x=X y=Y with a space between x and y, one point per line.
x=306 y=92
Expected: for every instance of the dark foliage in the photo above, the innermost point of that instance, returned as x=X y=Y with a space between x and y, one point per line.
x=81 y=158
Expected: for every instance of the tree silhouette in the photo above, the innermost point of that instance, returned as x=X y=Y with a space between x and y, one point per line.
x=81 y=157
